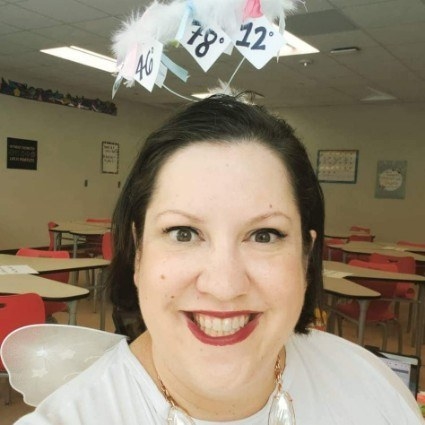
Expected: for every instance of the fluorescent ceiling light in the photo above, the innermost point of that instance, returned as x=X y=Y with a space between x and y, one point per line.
x=344 y=50
x=84 y=57
x=377 y=96
x=295 y=46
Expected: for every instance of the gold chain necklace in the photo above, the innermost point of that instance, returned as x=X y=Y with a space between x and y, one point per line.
x=281 y=411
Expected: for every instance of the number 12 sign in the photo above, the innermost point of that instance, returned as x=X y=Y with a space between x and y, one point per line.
x=258 y=40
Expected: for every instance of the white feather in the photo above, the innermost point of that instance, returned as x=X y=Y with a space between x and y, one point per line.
x=160 y=21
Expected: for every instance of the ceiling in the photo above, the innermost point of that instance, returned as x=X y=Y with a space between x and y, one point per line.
x=389 y=67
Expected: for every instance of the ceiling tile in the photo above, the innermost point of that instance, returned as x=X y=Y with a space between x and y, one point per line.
x=329 y=21
x=396 y=12
x=25 y=19
x=62 y=10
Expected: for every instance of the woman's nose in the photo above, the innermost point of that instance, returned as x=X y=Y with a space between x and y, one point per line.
x=223 y=275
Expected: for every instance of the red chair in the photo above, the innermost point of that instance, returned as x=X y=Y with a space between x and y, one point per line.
x=379 y=311
x=17 y=311
x=361 y=229
x=51 y=225
x=364 y=238
x=405 y=291
x=51 y=307
x=420 y=267
x=107 y=246
x=333 y=254
x=98 y=220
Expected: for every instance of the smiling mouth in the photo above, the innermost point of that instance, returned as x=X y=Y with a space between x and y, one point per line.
x=217 y=327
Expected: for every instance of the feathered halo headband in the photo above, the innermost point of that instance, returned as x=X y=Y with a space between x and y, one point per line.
x=206 y=28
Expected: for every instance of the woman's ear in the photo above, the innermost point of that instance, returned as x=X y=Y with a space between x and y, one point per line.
x=137 y=253
x=313 y=235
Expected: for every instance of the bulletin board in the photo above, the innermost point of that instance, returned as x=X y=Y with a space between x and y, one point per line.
x=391 y=179
x=110 y=157
x=337 y=166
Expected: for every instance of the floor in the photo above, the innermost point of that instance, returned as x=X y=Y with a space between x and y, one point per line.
x=86 y=317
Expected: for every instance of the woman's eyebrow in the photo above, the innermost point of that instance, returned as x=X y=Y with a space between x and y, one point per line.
x=265 y=216
x=179 y=212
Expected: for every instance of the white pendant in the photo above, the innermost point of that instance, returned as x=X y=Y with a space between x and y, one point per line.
x=177 y=416
x=282 y=411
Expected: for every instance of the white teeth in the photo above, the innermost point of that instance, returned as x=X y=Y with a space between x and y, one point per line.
x=214 y=326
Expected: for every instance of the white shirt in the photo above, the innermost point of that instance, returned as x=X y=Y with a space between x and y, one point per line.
x=331 y=381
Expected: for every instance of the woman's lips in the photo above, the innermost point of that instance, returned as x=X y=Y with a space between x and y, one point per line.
x=222 y=328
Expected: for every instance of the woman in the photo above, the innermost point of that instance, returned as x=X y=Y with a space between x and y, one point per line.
x=218 y=237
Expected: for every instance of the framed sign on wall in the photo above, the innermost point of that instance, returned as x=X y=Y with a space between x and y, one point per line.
x=337 y=166
x=110 y=157
x=21 y=154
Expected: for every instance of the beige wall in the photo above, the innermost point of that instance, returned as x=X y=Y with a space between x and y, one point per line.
x=69 y=152
x=379 y=132
x=69 y=145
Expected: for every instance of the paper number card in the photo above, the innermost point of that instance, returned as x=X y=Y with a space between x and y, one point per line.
x=258 y=40
x=204 y=44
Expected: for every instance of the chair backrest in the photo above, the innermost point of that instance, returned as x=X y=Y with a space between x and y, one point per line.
x=405 y=264
x=32 y=252
x=361 y=229
x=107 y=246
x=51 y=225
x=364 y=238
x=17 y=311
x=414 y=244
x=98 y=220
x=386 y=288
x=333 y=254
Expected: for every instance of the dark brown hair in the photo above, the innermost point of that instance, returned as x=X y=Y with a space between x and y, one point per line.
x=228 y=120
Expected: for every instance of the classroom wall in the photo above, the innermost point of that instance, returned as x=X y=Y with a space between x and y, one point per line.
x=69 y=152
x=379 y=132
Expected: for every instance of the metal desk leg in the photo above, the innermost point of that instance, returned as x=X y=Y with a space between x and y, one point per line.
x=75 y=247
x=72 y=308
x=420 y=319
x=363 y=304
x=101 y=285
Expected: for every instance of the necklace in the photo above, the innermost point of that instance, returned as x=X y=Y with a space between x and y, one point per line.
x=281 y=410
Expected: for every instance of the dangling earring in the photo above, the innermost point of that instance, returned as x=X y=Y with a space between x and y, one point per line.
x=281 y=410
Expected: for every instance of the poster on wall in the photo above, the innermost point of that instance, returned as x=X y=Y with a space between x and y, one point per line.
x=337 y=166
x=391 y=179
x=21 y=154
x=110 y=157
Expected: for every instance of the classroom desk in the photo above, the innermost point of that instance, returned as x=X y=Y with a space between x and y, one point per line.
x=49 y=290
x=46 y=265
x=359 y=247
x=340 y=287
x=342 y=270
x=77 y=229
x=345 y=234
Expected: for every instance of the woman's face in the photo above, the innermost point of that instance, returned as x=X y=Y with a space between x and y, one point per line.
x=220 y=271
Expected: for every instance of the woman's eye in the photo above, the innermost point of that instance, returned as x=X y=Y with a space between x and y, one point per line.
x=267 y=235
x=182 y=234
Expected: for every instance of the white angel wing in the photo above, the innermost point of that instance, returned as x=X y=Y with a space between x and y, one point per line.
x=41 y=358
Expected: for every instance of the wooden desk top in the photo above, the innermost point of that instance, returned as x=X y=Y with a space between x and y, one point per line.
x=42 y=264
x=82 y=228
x=338 y=269
x=49 y=290
x=344 y=287
x=359 y=247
